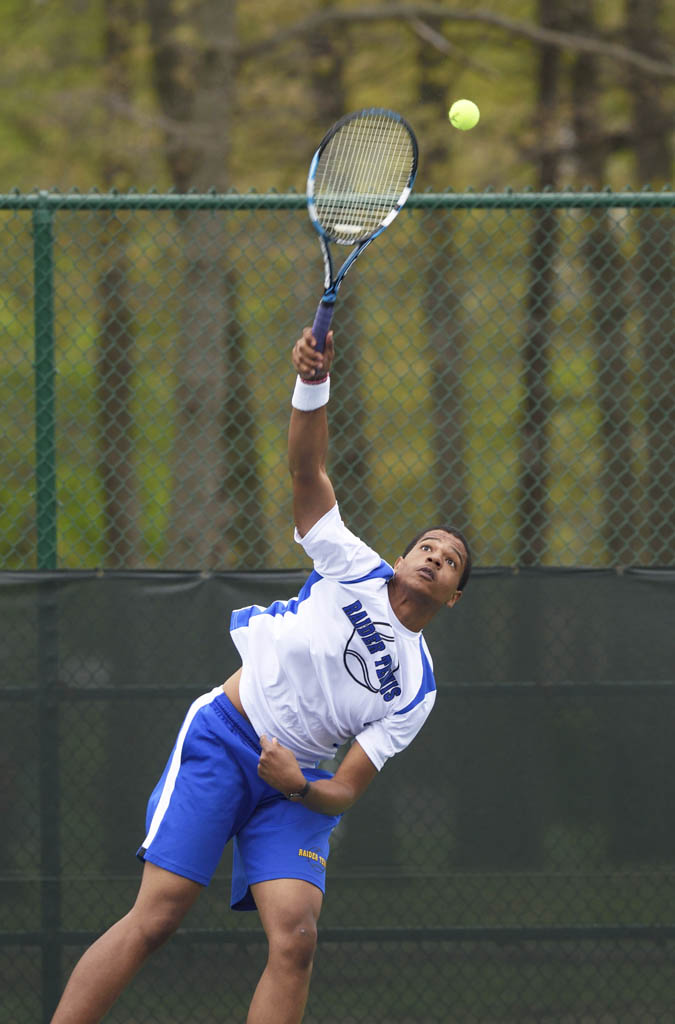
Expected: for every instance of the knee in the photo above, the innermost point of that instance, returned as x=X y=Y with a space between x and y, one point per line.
x=155 y=926
x=294 y=948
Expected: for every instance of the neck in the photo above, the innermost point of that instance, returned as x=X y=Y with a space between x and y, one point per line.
x=411 y=610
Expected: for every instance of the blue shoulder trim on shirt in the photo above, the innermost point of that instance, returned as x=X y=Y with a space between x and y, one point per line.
x=242 y=616
x=383 y=571
x=428 y=683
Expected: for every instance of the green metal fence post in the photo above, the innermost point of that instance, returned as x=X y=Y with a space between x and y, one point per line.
x=45 y=463
x=48 y=723
x=48 y=644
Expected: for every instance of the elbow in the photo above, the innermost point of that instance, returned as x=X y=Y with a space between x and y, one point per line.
x=346 y=805
x=332 y=797
x=345 y=799
x=305 y=473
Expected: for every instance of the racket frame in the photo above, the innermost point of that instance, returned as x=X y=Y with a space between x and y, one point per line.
x=333 y=281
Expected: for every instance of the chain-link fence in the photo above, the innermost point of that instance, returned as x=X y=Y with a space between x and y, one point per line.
x=505 y=361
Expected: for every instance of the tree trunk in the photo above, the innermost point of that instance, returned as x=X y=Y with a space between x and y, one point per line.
x=534 y=469
x=115 y=362
x=194 y=79
x=202 y=530
x=443 y=314
x=242 y=485
x=652 y=139
x=606 y=269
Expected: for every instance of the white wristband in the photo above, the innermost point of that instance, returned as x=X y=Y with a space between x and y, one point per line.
x=310 y=394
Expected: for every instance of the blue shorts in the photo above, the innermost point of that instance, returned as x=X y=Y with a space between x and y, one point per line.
x=210 y=792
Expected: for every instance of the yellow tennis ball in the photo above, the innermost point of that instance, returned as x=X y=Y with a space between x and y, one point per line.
x=464 y=114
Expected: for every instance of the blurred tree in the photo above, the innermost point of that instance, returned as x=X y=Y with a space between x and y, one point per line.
x=444 y=316
x=122 y=540
x=652 y=136
x=607 y=272
x=215 y=435
x=533 y=515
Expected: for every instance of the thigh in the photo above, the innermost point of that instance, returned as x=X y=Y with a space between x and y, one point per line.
x=282 y=840
x=202 y=798
x=165 y=894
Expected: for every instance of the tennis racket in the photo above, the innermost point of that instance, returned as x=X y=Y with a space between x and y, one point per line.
x=359 y=179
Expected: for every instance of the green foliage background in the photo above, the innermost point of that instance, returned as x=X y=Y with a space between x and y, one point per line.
x=58 y=131
x=54 y=122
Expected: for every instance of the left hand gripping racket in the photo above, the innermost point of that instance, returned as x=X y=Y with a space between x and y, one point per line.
x=359 y=179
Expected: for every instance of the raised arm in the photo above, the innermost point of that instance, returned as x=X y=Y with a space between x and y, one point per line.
x=313 y=493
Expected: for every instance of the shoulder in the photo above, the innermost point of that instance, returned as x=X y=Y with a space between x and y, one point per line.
x=330 y=522
x=338 y=553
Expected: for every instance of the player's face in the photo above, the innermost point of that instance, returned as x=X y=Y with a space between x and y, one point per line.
x=434 y=566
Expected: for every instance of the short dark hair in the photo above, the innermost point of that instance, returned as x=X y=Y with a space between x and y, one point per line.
x=454 y=532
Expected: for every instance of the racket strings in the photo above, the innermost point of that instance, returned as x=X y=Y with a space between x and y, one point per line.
x=362 y=175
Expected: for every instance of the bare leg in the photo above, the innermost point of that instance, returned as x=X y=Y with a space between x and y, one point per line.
x=110 y=963
x=289 y=909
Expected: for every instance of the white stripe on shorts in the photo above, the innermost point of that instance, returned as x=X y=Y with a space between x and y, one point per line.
x=172 y=774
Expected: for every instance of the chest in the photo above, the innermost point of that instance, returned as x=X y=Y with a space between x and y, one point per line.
x=359 y=653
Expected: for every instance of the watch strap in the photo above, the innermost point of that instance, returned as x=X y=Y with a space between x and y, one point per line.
x=301 y=793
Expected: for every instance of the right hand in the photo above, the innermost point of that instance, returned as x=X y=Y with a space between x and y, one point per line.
x=278 y=767
x=307 y=361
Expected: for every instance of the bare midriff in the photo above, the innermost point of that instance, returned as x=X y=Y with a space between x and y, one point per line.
x=231 y=691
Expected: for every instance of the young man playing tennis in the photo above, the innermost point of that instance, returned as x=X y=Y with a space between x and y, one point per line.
x=343 y=659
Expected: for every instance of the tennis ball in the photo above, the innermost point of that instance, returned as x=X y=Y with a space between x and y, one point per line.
x=464 y=114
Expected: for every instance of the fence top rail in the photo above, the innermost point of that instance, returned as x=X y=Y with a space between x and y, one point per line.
x=488 y=200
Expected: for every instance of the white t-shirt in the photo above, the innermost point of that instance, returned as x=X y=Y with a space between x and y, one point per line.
x=334 y=662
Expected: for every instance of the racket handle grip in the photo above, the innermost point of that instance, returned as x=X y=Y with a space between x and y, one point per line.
x=324 y=315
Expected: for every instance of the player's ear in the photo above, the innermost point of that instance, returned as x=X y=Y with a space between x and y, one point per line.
x=398 y=562
x=454 y=599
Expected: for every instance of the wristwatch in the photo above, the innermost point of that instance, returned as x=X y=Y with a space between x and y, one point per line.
x=301 y=793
